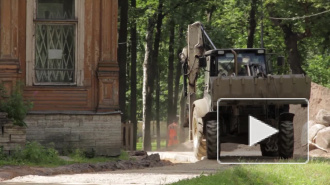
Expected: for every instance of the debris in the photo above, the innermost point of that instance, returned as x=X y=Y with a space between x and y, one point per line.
x=314 y=130
x=138 y=153
x=313 y=146
x=153 y=160
x=323 y=117
x=322 y=138
x=311 y=123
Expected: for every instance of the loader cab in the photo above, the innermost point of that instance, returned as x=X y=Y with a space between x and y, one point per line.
x=250 y=62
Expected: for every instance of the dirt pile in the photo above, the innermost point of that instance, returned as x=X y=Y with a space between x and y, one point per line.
x=319 y=134
x=319 y=121
x=320 y=99
x=142 y=161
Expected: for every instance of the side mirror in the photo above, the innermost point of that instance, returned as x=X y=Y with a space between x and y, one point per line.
x=202 y=62
x=280 y=61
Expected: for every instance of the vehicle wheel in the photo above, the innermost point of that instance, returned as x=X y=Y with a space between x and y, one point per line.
x=285 y=139
x=199 y=142
x=211 y=139
x=270 y=148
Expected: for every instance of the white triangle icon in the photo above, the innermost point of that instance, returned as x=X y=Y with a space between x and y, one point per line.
x=258 y=130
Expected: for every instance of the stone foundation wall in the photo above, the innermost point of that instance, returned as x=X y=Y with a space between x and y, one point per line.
x=12 y=137
x=98 y=132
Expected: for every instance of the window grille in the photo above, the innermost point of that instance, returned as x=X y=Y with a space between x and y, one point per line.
x=55 y=40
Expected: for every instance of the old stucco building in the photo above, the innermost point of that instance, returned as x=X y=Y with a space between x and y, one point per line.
x=65 y=52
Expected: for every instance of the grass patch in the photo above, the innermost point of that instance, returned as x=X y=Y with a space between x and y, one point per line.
x=139 y=144
x=34 y=154
x=317 y=171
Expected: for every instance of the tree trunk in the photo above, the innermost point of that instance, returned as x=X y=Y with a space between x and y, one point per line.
x=209 y=13
x=177 y=85
x=149 y=66
x=291 y=41
x=294 y=59
x=155 y=63
x=252 y=24
x=178 y=71
x=170 y=110
x=158 y=32
x=148 y=85
x=182 y=137
x=122 y=57
x=157 y=107
x=133 y=77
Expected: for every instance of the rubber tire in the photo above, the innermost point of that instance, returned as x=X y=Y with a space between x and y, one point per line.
x=285 y=140
x=211 y=139
x=272 y=153
x=198 y=141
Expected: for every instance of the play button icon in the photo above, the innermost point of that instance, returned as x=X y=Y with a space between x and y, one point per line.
x=259 y=130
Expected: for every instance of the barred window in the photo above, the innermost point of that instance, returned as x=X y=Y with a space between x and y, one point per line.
x=55 y=42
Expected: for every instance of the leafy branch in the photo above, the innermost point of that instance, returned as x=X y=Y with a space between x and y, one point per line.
x=14 y=104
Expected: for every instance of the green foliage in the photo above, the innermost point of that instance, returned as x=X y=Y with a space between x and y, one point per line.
x=81 y=154
x=319 y=69
x=315 y=172
x=228 y=28
x=14 y=104
x=35 y=153
x=2 y=155
x=77 y=154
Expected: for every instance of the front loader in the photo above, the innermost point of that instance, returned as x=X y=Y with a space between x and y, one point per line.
x=236 y=74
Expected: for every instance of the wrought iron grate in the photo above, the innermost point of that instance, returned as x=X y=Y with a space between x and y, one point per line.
x=55 y=53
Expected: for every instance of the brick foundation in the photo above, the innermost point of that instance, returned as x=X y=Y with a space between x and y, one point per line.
x=100 y=132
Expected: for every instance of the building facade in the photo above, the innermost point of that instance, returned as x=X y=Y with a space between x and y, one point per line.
x=65 y=53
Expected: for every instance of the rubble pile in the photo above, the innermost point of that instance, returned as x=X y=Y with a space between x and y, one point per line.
x=319 y=134
x=319 y=122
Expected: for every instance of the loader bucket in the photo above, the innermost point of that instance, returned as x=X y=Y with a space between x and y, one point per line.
x=273 y=86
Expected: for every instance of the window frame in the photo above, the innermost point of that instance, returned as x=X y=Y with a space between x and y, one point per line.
x=78 y=23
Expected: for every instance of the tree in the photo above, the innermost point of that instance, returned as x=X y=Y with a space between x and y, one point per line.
x=148 y=85
x=252 y=24
x=155 y=54
x=291 y=41
x=170 y=110
x=133 y=40
x=177 y=83
x=295 y=30
x=230 y=24
x=122 y=55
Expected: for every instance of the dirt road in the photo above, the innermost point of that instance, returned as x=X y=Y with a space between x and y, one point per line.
x=188 y=168
x=157 y=175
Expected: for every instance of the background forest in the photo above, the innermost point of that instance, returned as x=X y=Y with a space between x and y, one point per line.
x=153 y=32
